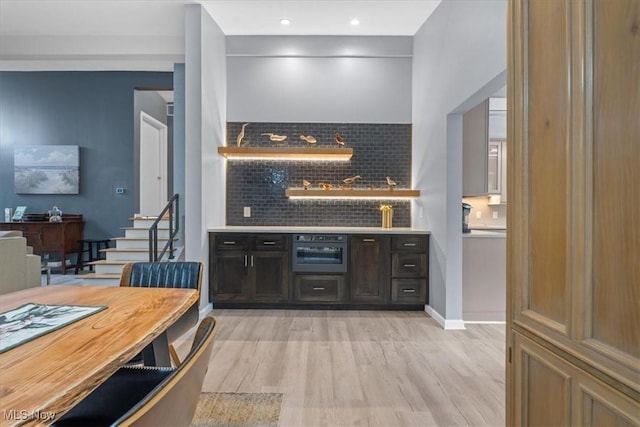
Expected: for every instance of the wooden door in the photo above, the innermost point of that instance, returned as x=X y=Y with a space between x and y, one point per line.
x=573 y=269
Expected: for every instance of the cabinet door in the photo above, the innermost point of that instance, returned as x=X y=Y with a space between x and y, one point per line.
x=369 y=269
x=270 y=272
x=574 y=241
x=230 y=276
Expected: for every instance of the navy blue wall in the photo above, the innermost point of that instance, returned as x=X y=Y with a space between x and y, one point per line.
x=94 y=110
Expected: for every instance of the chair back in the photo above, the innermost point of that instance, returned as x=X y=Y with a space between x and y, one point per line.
x=173 y=402
x=186 y=275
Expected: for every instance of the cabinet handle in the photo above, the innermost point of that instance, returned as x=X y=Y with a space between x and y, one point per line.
x=408 y=265
x=228 y=242
x=368 y=240
x=268 y=243
x=409 y=291
x=251 y=260
x=245 y=260
x=318 y=289
x=409 y=244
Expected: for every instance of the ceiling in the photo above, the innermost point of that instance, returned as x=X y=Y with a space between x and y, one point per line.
x=101 y=18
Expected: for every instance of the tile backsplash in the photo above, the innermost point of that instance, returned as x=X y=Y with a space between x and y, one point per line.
x=481 y=204
x=380 y=150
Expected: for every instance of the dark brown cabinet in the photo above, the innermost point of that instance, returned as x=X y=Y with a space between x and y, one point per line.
x=249 y=268
x=409 y=269
x=369 y=269
x=254 y=270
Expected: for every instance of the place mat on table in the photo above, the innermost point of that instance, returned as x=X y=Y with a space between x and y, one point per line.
x=31 y=320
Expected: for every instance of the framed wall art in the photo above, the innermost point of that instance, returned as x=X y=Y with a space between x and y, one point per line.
x=47 y=169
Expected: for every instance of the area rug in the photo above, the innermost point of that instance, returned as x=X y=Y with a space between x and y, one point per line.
x=238 y=410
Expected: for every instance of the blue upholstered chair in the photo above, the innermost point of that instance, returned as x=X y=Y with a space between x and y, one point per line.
x=149 y=396
x=185 y=275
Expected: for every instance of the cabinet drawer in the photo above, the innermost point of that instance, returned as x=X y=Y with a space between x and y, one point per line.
x=409 y=291
x=271 y=242
x=231 y=242
x=319 y=287
x=408 y=265
x=409 y=243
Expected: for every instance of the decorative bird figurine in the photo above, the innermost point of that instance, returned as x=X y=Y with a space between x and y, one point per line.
x=275 y=138
x=325 y=186
x=344 y=187
x=309 y=139
x=351 y=180
x=391 y=183
x=339 y=140
x=306 y=184
x=241 y=135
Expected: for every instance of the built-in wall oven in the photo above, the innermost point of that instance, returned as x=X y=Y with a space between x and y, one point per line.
x=319 y=253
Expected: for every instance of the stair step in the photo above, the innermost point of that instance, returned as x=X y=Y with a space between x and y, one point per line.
x=137 y=242
x=147 y=221
x=94 y=279
x=116 y=254
x=108 y=267
x=139 y=232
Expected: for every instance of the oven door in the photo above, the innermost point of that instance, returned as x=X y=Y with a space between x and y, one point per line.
x=320 y=257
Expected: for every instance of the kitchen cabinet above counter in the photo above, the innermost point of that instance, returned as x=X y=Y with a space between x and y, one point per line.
x=297 y=229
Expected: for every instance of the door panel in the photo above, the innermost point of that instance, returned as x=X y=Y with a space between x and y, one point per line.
x=153 y=165
x=548 y=103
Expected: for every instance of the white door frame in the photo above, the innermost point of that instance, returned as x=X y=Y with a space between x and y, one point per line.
x=153 y=166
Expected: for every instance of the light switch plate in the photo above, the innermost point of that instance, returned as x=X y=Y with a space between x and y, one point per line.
x=495 y=214
x=479 y=215
x=247 y=212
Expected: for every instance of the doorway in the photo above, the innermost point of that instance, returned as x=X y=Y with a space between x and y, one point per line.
x=153 y=165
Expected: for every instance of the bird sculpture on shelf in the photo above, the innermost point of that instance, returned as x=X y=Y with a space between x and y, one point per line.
x=344 y=187
x=308 y=139
x=306 y=184
x=275 y=138
x=325 y=186
x=391 y=183
x=339 y=140
x=240 y=136
x=351 y=180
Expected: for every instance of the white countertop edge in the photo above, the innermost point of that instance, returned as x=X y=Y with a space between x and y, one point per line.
x=295 y=229
x=485 y=234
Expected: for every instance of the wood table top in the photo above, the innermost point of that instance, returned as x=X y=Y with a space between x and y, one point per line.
x=42 y=379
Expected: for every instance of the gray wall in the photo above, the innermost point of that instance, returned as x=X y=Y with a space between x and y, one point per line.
x=319 y=79
x=91 y=109
x=205 y=112
x=458 y=51
x=178 y=140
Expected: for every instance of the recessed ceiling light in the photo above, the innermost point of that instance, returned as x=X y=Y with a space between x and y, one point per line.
x=355 y=21
x=285 y=21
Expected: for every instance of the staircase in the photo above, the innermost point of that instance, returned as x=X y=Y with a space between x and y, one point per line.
x=133 y=247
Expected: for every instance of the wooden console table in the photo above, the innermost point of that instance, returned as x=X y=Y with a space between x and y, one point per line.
x=59 y=238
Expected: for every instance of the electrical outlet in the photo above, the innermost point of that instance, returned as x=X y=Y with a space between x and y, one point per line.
x=495 y=214
x=479 y=215
x=247 y=212
x=119 y=190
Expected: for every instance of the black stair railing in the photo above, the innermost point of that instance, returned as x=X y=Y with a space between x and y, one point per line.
x=172 y=211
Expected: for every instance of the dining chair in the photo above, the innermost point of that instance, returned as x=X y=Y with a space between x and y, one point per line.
x=149 y=396
x=182 y=274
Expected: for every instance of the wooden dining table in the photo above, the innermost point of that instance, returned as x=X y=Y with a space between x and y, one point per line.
x=43 y=378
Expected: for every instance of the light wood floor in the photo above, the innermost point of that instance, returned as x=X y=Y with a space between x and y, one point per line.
x=361 y=368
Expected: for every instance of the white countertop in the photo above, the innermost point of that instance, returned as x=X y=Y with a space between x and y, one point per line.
x=495 y=234
x=296 y=229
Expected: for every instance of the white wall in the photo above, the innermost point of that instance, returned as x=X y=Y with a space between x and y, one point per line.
x=458 y=54
x=205 y=109
x=319 y=79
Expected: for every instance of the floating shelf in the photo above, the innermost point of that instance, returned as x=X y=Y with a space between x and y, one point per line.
x=351 y=194
x=286 y=153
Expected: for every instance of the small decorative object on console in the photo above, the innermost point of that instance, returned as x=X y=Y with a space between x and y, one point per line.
x=309 y=139
x=19 y=213
x=240 y=136
x=387 y=216
x=55 y=215
x=275 y=138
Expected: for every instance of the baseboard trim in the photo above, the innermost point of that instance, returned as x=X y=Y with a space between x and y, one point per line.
x=204 y=311
x=485 y=322
x=446 y=324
